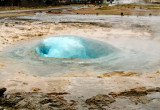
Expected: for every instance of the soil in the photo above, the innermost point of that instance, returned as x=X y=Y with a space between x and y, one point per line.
x=103 y=9
x=127 y=9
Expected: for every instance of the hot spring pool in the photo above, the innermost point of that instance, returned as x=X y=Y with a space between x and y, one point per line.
x=72 y=54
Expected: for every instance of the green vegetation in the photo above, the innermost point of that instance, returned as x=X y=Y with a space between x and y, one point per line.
x=106 y=8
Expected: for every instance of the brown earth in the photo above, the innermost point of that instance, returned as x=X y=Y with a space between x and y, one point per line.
x=128 y=9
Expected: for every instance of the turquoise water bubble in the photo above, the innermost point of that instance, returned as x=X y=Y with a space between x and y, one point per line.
x=72 y=54
x=73 y=47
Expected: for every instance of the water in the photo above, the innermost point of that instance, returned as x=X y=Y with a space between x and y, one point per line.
x=117 y=19
x=73 y=47
x=128 y=54
x=111 y=54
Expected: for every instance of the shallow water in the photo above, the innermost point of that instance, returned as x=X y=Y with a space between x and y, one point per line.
x=141 y=20
x=129 y=55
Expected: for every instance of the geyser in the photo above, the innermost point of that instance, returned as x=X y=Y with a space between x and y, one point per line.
x=128 y=54
x=73 y=47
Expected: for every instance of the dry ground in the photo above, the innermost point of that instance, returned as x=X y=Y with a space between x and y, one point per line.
x=127 y=9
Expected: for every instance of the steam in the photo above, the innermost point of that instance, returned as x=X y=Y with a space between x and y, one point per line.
x=127 y=1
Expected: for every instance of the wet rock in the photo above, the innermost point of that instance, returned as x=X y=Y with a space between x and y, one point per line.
x=141 y=99
x=99 y=101
x=10 y=101
x=45 y=101
x=120 y=73
x=35 y=101
x=156 y=89
x=54 y=12
x=151 y=90
x=36 y=89
x=99 y=76
x=6 y=24
x=158 y=72
x=58 y=93
x=2 y=90
x=122 y=14
x=140 y=91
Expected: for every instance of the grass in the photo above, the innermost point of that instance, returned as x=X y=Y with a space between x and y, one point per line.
x=6 y=8
x=105 y=8
x=130 y=6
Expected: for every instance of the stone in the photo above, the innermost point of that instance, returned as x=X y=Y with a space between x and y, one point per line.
x=120 y=73
x=36 y=89
x=2 y=90
x=36 y=101
x=139 y=91
x=99 y=101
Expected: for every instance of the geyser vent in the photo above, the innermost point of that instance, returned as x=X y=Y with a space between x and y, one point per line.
x=73 y=47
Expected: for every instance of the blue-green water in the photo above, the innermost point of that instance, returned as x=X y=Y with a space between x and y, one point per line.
x=72 y=54
x=73 y=47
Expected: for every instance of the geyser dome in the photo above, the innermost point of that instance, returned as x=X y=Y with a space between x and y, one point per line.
x=73 y=47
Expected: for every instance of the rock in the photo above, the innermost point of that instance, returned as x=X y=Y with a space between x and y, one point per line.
x=114 y=94
x=36 y=89
x=2 y=90
x=158 y=72
x=1 y=108
x=122 y=14
x=141 y=99
x=54 y=12
x=157 y=89
x=6 y=24
x=99 y=76
x=99 y=101
x=36 y=101
x=120 y=73
x=151 y=90
x=140 y=91
x=45 y=101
